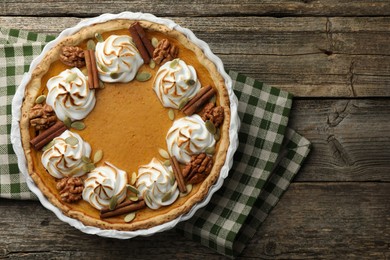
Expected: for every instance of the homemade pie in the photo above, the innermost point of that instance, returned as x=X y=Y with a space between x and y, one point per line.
x=125 y=124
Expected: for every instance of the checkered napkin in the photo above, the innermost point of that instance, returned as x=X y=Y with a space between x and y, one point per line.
x=268 y=157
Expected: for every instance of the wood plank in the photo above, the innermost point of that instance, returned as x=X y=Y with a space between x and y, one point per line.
x=201 y=8
x=307 y=223
x=310 y=57
x=350 y=138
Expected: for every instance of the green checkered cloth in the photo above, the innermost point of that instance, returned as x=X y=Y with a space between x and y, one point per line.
x=268 y=157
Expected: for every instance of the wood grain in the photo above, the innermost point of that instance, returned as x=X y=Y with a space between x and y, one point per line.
x=311 y=221
x=309 y=57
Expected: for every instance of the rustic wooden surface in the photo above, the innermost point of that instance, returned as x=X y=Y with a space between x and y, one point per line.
x=334 y=56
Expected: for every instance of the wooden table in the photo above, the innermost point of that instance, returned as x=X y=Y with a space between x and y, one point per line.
x=334 y=56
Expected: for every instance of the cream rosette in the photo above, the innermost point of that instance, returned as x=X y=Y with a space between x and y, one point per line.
x=157 y=184
x=69 y=95
x=63 y=158
x=103 y=183
x=175 y=81
x=118 y=59
x=188 y=136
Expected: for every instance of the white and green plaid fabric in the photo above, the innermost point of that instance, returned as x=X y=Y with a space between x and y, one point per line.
x=268 y=157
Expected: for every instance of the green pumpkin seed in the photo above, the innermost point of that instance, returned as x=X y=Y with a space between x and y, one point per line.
x=217 y=135
x=113 y=202
x=71 y=140
x=71 y=77
x=143 y=76
x=182 y=103
x=129 y=217
x=190 y=82
x=189 y=189
x=91 y=45
x=210 y=150
x=133 y=178
x=148 y=199
x=171 y=114
x=85 y=168
x=154 y=42
x=174 y=63
x=114 y=75
x=211 y=127
x=99 y=37
x=84 y=71
x=48 y=146
x=133 y=198
x=167 y=163
x=97 y=156
x=166 y=197
x=101 y=85
x=85 y=159
x=152 y=64
x=40 y=99
x=164 y=154
x=78 y=125
x=132 y=189
x=67 y=122
x=90 y=167
x=102 y=67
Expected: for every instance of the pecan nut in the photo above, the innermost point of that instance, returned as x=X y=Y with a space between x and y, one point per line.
x=72 y=56
x=165 y=51
x=198 y=168
x=42 y=116
x=213 y=113
x=70 y=188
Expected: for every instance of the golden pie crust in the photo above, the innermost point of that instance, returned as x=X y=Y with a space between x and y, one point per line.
x=122 y=113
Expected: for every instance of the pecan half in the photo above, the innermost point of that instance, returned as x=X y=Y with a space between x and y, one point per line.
x=72 y=56
x=213 y=113
x=165 y=51
x=198 y=168
x=70 y=188
x=42 y=116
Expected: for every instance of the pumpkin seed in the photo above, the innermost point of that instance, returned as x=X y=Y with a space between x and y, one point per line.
x=217 y=135
x=166 y=197
x=78 y=125
x=133 y=178
x=102 y=67
x=182 y=103
x=90 y=167
x=114 y=75
x=67 y=122
x=129 y=217
x=210 y=150
x=148 y=199
x=174 y=63
x=71 y=140
x=97 y=156
x=143 y=76
x=132 y=188
x=85 y=159
x=99 y=37
x=189 y=189
x=85 y=168
x=213 y=99
x=167 y=163
x=190 y=82
x=48 y=146
x=164 y=154
x=154 y=42
x=152 y=64
x=40 y=99
x=91 y=45
x=71 y=77
x=101 y=84
x=133 y=198
x=113 y=202
x=210 y=126
x=85 y=71
x=171 y=114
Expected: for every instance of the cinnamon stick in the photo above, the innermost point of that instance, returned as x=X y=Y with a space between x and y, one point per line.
x=88 y=63
x=148 y=45
x=178 y=174
x=140 y=46
x=203 y=96
x=45 y=137
x=120 y=205
x=126 y=209
x=95 y=74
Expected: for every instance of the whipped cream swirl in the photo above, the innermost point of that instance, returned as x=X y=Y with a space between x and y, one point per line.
x=65 y=160
x=103 y=183
x=175 y=81
x=118 y=59
x=157 y=184
x=188 y=136
x=69 y=95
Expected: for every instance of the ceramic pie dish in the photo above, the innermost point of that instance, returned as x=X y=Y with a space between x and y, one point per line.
x=121 y=141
